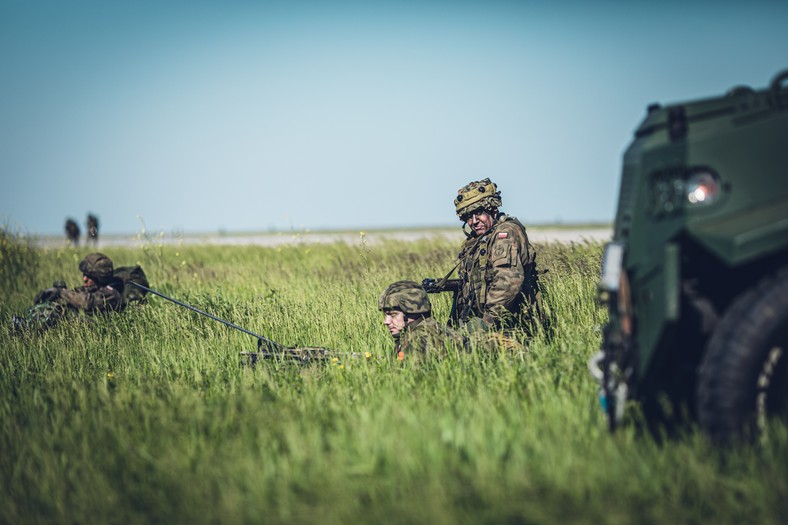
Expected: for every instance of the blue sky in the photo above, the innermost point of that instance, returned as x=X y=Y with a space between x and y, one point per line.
x=200 y=116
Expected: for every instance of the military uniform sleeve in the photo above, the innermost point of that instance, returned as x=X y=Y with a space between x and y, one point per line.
x=507 y=252
x=104 y=299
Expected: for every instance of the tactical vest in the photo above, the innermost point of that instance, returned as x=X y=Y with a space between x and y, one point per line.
x=476 y=272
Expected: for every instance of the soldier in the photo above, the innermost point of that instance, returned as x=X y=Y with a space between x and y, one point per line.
x=93 y=225
x=100 y=292
x=72 y=231
x=497 y=264
x=408 y=316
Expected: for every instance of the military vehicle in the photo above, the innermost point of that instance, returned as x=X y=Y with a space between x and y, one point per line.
x=696 y=276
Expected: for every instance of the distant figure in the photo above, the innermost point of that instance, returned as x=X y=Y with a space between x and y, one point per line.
x=72 y=231
x=93 y=226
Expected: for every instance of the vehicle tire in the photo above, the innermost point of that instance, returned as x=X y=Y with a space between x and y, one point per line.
x=743 y=377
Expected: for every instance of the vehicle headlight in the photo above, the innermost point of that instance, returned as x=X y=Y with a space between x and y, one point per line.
x=703 y=188
x=675 y=190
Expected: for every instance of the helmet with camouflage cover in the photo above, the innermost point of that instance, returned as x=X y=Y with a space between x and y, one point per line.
x=477 y=195
x=406 y=296
x=98 y=267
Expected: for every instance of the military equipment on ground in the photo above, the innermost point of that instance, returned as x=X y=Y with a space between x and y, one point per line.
x=696 y=277
x=266 y=348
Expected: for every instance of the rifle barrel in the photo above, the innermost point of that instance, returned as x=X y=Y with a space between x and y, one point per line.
x=206 y=314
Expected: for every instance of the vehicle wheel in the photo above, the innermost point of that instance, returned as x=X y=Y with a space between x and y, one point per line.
x=743 y=377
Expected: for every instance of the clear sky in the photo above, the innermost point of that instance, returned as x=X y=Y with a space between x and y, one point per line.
x=201 y=116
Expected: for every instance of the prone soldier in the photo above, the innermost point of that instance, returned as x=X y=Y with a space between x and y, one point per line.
x=100 y=292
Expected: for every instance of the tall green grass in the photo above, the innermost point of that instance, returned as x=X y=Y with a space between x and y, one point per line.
x=147 y=417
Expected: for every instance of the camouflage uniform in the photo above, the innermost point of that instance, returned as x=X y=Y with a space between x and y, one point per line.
x=52 y=304
x=497 y=269
x=422 y=335
x=93 y=299
x=104 y=295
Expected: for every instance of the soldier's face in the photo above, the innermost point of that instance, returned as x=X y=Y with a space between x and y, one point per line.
x=394 y=321
x=87 y=282
x=481 y=221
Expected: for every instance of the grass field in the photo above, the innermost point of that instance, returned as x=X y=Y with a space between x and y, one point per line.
x=147 y=417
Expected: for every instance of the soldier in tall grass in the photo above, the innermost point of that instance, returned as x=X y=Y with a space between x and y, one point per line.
x=100 y=292
x=407 y=313
x=497 y=264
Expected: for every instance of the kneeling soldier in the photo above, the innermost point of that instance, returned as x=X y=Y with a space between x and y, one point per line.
x=497 y=264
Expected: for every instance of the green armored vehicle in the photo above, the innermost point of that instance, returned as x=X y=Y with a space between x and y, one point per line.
x=696 y=277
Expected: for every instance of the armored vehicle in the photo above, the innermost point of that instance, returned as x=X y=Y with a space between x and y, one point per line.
x=696 y=276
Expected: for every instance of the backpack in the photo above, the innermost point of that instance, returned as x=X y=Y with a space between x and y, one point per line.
x=131 y=293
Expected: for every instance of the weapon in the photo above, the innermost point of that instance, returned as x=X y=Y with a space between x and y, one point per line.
x=446 y=285
x=441 y=285
x=266 y=348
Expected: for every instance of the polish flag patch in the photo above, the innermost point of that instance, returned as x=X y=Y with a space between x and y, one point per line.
x=503 y=235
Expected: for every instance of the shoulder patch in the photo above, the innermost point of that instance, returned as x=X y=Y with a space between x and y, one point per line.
x=503 y=235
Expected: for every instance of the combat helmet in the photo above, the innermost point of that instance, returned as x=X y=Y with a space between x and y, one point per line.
x=477 y=195
x=98 y=267
x=406 y=296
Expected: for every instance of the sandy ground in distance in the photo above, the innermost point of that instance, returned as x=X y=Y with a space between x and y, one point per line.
x=536 y=235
